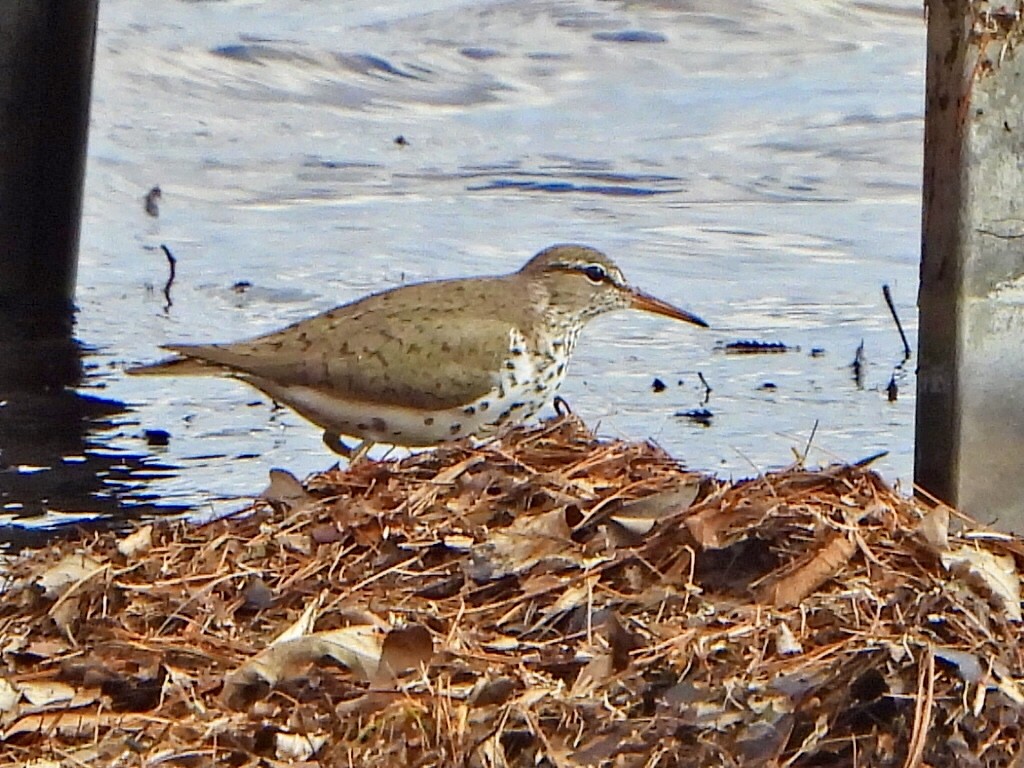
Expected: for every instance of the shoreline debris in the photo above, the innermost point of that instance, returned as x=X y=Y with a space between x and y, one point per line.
x=547 y=598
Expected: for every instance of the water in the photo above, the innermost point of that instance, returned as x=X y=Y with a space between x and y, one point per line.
x=758 y=163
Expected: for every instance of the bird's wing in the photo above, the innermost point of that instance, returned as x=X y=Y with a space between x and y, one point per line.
x=409 y=353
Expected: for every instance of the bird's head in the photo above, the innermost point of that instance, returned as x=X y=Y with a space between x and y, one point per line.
x=584 y=282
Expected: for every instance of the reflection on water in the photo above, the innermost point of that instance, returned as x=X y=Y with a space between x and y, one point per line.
x=756 y=161
x=52 y=435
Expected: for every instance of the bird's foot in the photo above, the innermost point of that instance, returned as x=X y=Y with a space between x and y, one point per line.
x=354 y=455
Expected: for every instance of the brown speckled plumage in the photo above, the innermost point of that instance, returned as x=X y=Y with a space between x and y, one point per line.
x=426 y=349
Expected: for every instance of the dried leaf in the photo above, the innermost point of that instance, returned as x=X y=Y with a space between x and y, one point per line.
x=44 y=693
x=997 y=573
x=136 y=543
x=809 y=574
x=70 y=570
x=517 y=548
x=303 y=625
x=298 y=746
x=634 y=655
x=597 y=671
x=285 y=491
x=9 y=696
x=488 y=693
x=357 y=647
x=719 y=527
x=785 y=641
x=934 y=528
x=638 y=517
x=69 y=723
x=967 y=664
x=572 y=597
x=258 y=596
x=405 y=648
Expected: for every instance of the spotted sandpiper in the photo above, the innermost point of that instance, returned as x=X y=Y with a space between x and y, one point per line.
x=433 y=361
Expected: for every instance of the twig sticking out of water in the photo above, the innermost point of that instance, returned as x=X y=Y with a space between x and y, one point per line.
x=810 y=440
x=899 y=326
x=893 y=390
x=707 y=388
x=858 y=365
x=170 y=278
x=152 y=202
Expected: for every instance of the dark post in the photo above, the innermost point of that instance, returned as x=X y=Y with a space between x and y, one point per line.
x=970 y=390
x=46 y=61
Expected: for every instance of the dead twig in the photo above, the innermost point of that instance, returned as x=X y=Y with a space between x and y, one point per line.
x=899 y=326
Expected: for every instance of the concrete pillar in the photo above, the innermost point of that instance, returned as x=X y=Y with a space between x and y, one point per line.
x=970 y=404
x=46 y=62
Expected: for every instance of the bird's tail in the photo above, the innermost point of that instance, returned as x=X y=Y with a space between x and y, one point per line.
x=175 y=366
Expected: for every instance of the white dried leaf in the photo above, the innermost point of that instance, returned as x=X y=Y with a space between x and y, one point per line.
x=786 y=643
x=356 y=647
x=997 y=572
x=8 y=695
x=136 y=543
x=44 y=693
x=71 y=569
x=302 y=625
x=298 y=746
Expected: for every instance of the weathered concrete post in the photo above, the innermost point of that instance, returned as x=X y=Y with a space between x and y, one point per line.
x=46 y=62
x=970 y=390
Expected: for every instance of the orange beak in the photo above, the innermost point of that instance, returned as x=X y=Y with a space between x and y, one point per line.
x=648 y=303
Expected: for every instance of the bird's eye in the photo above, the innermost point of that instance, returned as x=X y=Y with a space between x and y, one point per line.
x=595 y=273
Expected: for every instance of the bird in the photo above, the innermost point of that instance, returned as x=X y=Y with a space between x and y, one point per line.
x=425 y=363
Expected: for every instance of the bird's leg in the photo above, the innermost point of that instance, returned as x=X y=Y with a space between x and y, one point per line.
x=354 y=455
x=360 y=452
x=333 y=441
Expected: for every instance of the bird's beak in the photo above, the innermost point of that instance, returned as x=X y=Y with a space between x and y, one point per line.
x=648 y=303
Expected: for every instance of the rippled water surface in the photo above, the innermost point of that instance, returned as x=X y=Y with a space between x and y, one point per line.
x=757 y=163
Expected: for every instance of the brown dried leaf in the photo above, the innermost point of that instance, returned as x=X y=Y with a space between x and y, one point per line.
x=491 y=692
x=786 y=643
x=934 y=528
x=405 y=648
x=9 y=696
x=717 y=527
x=597 y=671
x=517 y=548
x=638 y=517
x=509 y=690
x=814 y=570
x=285 y=491
x=69 y=723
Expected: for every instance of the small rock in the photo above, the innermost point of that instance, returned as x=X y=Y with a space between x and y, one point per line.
x=157 y=437
x=700 y=416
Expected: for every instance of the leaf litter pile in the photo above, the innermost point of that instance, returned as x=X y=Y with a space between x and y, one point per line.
x=549 y=599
